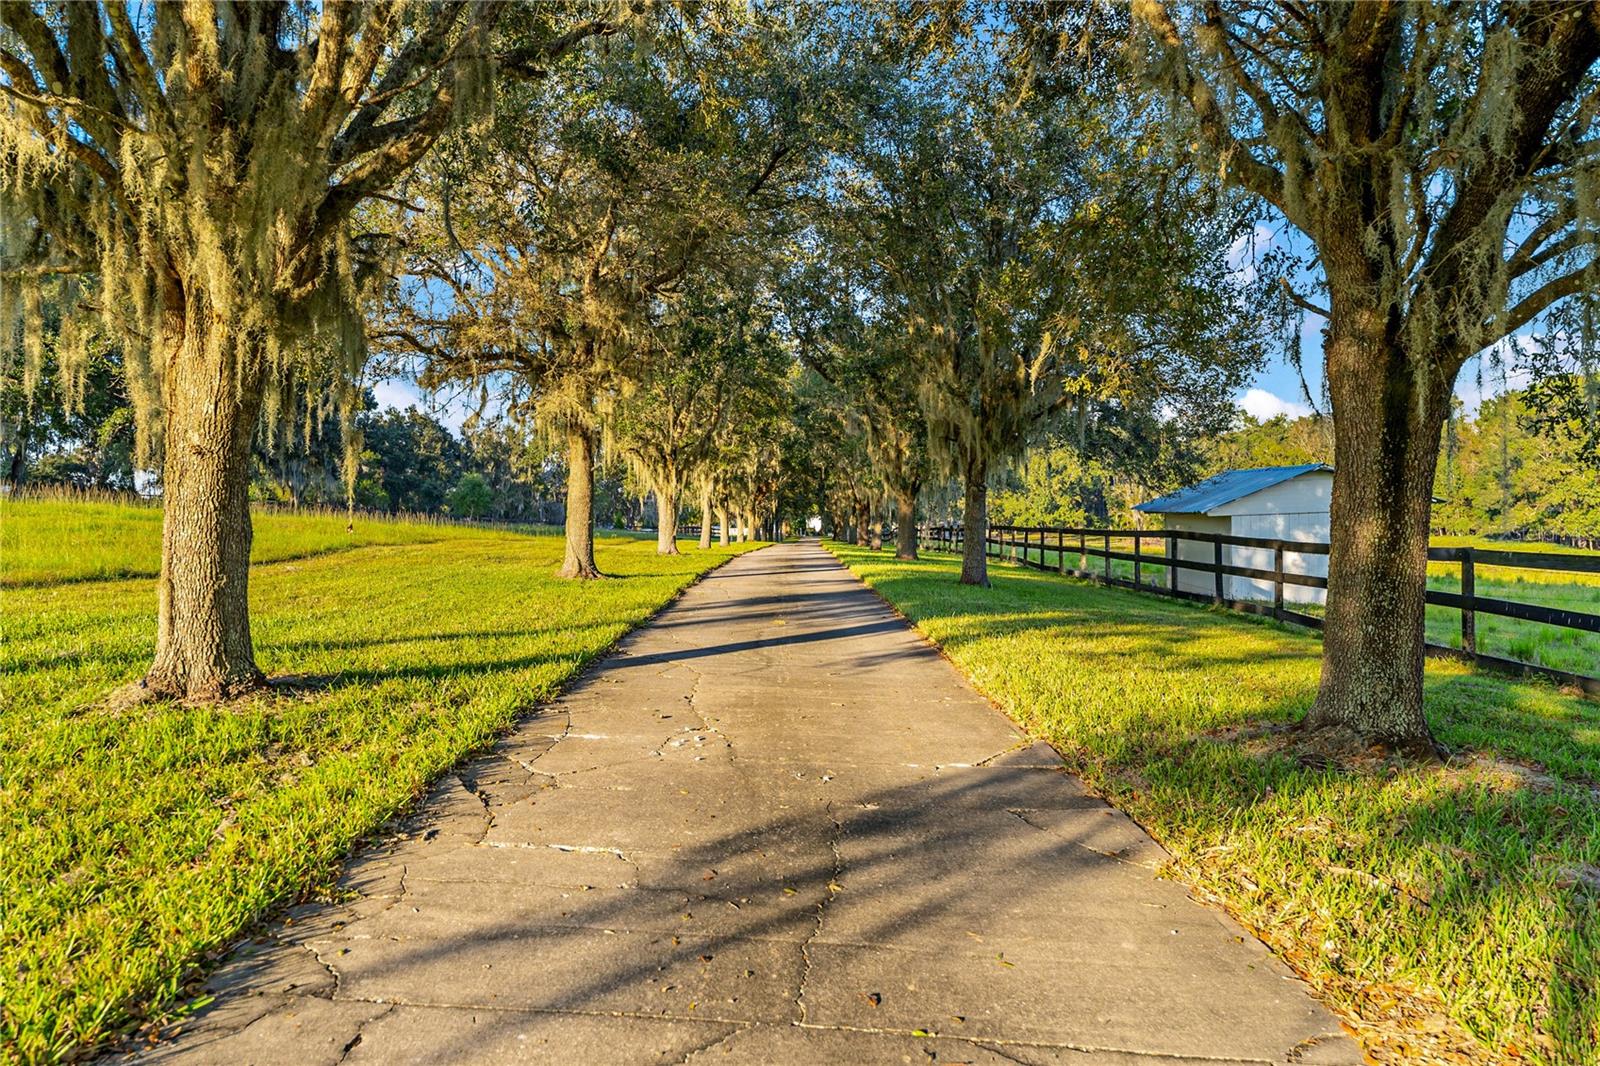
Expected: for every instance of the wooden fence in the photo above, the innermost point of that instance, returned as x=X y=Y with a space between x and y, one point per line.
x=1032 y=545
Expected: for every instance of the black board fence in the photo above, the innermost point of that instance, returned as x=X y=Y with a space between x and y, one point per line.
x=1157 y=571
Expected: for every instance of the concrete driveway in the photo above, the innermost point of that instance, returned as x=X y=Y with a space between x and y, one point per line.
x=773 y=826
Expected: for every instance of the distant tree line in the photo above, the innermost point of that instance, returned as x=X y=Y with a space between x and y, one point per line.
x=410 y=461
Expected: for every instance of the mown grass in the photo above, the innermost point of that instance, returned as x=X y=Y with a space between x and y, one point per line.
x=1447 y=910
x=49 y=541
x=1574 y=650
x=136 y=842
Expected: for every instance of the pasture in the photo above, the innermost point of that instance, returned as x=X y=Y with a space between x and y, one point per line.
x=140 y=842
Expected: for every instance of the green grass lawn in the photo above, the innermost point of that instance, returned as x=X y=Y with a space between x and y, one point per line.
x=47 y=541
x=138 y=842
x=1573 y=650
x=1443 y=908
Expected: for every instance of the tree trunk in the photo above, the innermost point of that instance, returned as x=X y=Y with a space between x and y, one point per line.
x=705 y=518
x=747 y=525
x=667 y=516
x=862 y=536
x=203 y=646
x=905 y=512
x=17 y=467
x=1388 y=418
x=579 y=562
x=722 y=525
x=975 y=523
x=875 y=526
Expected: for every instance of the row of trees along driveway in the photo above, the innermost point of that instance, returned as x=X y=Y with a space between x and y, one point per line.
x=969 y=223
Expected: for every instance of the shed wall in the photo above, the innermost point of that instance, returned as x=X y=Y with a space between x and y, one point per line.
x=1197 y=581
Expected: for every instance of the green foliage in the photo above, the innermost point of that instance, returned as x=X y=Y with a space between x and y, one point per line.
x=1277 y=441
x=140 y=841
x=1498 y=475
x=1036 y=247
x=1453 y=893
x=472 y=497
x=416 y=460
x=1055 y=485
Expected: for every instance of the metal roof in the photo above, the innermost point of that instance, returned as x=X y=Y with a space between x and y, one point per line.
x=1225 y=488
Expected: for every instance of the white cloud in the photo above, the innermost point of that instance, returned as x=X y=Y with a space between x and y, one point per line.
x=451 y=408
x=396 y=394
x=1246 y=247
x=1262 y=405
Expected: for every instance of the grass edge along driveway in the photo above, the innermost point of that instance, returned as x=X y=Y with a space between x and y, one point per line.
x=140 y=843
x=1448 y=913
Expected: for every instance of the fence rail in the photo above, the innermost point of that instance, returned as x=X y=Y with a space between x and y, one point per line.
x=1021 y=543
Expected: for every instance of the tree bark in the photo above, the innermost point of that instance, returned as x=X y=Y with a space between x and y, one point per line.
x=203 y=645
x=905 y=541
x=17 y=467
x=722 y=525
x=975 y=523
x=862 y=537
x=705 y=519
x=875 y=525
x=1389 y=415
x=747 y=525
x=667 y=516
x=579 y=562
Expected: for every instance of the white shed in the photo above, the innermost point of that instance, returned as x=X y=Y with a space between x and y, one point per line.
x=1273 y=502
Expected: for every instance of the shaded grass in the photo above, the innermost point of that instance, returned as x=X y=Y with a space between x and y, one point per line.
x=137 y=842
x=1441 y=909
x=47 y=541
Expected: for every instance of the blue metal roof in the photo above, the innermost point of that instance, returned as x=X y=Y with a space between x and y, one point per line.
x=1225 y=488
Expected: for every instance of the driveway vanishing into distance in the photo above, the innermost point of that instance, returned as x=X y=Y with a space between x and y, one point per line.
x=772 y=826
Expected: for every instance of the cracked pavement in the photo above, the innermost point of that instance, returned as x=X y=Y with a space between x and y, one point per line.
x=772 y=826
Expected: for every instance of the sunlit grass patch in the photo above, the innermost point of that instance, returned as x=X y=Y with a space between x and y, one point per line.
x=1440 y=909
x=45 y=541
x=137 y=841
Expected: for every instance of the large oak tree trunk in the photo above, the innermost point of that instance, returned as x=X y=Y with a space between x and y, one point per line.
x=747 y=525
x=975 y=523
x=579 y=562
x=203 y=646
x=1389 y=413
x=905 y=516
x=667 y=517
x=722 y=525
x=705 y=519
x=862 y=515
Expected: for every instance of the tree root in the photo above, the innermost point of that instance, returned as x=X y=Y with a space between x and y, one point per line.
x=1339 y=745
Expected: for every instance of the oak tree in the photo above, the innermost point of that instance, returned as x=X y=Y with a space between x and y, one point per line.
x=1443 y=161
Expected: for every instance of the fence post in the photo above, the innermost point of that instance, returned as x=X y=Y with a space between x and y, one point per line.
x=1469 y=618
x=1172 y=563
x=1107 y=557
x=1277 y=582
x=1216 y=558
x=1136 y=581
x=1061 y=552
x=1083 y=552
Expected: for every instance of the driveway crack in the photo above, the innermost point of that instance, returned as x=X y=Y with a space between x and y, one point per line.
x=833 y=889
